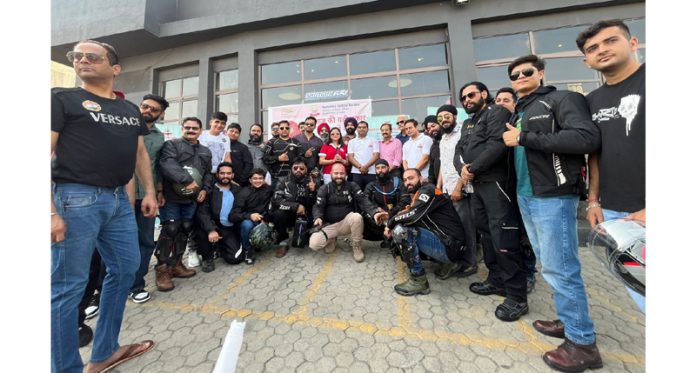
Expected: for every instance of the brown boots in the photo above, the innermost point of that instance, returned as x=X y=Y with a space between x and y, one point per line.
x=357 y=252
x=181 y=271
x=163 y=277
x=572 y=357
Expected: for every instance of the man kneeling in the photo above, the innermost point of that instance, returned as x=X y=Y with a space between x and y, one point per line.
x=335 y=213
x=429 y=225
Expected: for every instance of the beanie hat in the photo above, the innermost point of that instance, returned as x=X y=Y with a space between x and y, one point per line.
x=448 y=108
x=430 y=119
x=381 y=161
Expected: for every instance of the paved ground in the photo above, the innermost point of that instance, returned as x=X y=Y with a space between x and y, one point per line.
x=314 y=312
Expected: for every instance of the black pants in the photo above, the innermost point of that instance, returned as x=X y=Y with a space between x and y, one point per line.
x=284 y=219
x=372 y=231
x=498 y=220
x=228 y=245
x=465 y=210
x=363 y=179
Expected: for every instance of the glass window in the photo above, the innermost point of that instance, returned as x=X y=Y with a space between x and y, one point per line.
x=228 y=103
x=641 y=54
x=374 y=88
x=557 y=40
x=418 y=107
x=228 y=80
x=365 y=63
x=190 y=87
x=281 y=96
x=172 y=113
x=331 y=91
x=280 y=72
x=423 y=56
x=424 y=83
x=637 y=27
x=321 y=68
x=497 y=47
x=189 y=109
x=390 y=107
x=232 y=118
x=172 y=88
x=568 y=69
x=494 y=77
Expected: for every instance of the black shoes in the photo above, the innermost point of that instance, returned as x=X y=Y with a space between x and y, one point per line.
x=511 y=310
x=208 y=265
x=486 y=288
x=86 y=335
x=466 y=272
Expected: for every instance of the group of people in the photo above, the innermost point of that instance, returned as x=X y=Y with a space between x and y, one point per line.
x=508 y=177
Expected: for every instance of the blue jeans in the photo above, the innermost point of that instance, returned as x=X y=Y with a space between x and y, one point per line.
x=245 y=229
x=425 y=242
x=552 y=228
x=101 y=218
x=612 y=215
x=146 y=240
x=177 y=211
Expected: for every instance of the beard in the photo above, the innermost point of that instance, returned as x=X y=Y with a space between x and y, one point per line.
x=413 y=188
x=149 y=118
x=299 y=176
x=446 y=129
x=324 y=137
x=255 y=139
x=224 y=181
x=474 y=109
x=382 y=176
x=337 y=180
x=350 y=131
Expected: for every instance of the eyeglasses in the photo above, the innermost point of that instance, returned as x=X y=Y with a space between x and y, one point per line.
x=299 y=168
x=284 y=128
x=470 y=95
x=274 y=129
x=91 y=57
x=151 y=108
x=526 y=72
x=401 y=122
x=187 y=128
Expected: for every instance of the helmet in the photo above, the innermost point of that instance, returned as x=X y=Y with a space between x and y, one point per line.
x=181 y=190
x=262 y=236
x=620 y=245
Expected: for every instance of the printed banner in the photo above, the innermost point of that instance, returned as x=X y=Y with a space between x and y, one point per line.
x=333 y=113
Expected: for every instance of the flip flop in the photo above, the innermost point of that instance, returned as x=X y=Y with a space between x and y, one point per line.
x=132 y=351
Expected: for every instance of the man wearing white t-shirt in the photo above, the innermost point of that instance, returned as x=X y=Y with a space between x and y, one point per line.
x=363 y=152
x=216 y=140
x=416 y=151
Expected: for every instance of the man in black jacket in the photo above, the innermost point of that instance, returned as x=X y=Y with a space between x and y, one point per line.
x=388 y=193
x=495 y=211
x=251 y=208
x=429 y=225
x=239 y=155
x=180 y=159
x=294 y=196
x=336 y=214
x=281 y=152
x=214 y=219
x=551 y=135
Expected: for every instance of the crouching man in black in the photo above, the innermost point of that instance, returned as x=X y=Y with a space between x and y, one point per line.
x=250 y=209
x=429 y=225
x=389 y=194
x=294 y=196
x=214 y=220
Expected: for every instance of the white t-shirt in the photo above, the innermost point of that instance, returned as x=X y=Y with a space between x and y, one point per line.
x=415 y=149
x=448 y=143
x=362 y=150
x=218 y=145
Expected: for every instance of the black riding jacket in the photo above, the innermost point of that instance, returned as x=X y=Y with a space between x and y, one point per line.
x=208 y=212
x=335 y=202
x=251 y=200
x=290 y=193
x=390 y=197
x=177 y=153
x=274 y=149
x=485 y=150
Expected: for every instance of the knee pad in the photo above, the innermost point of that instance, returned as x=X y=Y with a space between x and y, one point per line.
x=171 y=228
x=187 y=226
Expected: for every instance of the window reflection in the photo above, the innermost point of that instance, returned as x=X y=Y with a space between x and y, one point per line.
x=172 y=88
x=583 y=88
x=280 y=72
x=328 y=67
x=497 y=47
x=568 y=69
x=418 y=107
x=423 y=56
x=321 y=92
x=637 y=27
x=364 y=63
x=557 y=40
x=494 y=77
x=281 y=96
x=373 y=87
x=390 y=107
x=228 y=103
x=190 y=87
x=189 y=109
x=424 y=83
x=228 y=80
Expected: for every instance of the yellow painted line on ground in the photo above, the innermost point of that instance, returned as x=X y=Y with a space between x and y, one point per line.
x=402 y=307
x=534 y=346
x=241 y=280
x=316 y=284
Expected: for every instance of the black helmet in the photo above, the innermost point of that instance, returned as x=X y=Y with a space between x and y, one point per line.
x=181 y=190
x=263 y=236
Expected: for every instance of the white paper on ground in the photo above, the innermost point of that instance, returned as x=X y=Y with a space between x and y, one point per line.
x=227 y=361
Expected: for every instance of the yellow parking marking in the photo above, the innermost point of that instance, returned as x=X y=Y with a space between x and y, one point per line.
x=240 y=280
x=402 y=306
x=534 y=346
x=316 y=284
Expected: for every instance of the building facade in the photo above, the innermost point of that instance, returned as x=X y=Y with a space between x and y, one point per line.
x=243 y=57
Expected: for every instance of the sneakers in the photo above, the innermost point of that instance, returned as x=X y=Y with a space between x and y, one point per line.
x=414 y=285
x=511 y=310
x=486 y=288
x=446 y=270
x=193 y=260
x=139 y=296
x=92 y=309
x=208 y=265
x=86 y=334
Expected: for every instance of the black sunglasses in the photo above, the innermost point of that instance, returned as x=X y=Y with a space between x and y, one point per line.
x=284 y=128
x=470 y=95
x=526 y=72
x=152 y=108
x=74 y=57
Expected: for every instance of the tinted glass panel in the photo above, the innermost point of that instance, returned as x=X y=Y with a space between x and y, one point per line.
x=189 y=109
x=281 y=96
x=373 y=87
x=557 y=40
x=173 y=111
x=228 y=80
x=385 y=108
x=424 y=83
x=364 y=63
x=331 y=91
x=568 y=69
x=328 y=67
x=280 y=72
x=494 y=77
x=424 y=56
x=190 y=86
x=417 y=107
x=228 y=103
x=506 y=46
x=172 y=88
x=637 y=28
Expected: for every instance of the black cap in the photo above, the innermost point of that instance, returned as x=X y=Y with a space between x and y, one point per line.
x=430 y=119
x=448 y=108
x=381 y=161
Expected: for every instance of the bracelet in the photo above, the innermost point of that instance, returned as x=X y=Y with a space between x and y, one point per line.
x=592 y=205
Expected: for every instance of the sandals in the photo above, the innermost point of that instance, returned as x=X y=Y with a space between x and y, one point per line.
x=131 y=352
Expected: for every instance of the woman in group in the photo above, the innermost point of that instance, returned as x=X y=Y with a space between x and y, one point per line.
x=334 y=151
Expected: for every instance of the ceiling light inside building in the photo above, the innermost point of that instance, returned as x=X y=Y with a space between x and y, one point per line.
x=289 y=96
x=403 y=82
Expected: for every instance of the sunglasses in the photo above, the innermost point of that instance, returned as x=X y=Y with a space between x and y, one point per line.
x=526 y=72
x=187 y=128
x=284 y=128
x=91 y=57
x=299 y=168
x=401 y=122
x=151 y=108
x=470 y=95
